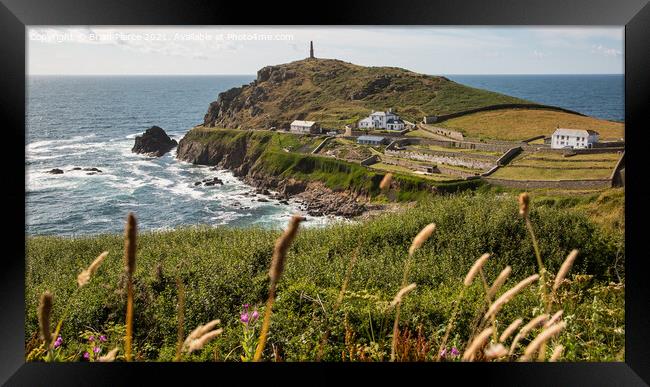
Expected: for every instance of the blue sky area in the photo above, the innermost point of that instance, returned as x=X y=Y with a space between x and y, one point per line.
x=88 y=50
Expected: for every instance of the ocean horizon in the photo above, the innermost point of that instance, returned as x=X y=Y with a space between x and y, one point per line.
x=90 y=121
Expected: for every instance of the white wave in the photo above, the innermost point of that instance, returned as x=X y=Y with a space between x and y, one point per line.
x=46 y=143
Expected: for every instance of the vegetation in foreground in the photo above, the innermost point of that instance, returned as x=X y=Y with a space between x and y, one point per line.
x=188 y=277
x=522 y=124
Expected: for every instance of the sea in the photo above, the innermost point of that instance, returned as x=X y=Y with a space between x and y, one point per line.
x=92 y=121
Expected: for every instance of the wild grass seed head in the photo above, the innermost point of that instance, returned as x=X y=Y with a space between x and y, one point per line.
x=476 y=267
x=44 y=315
x=422 y=237
x=84 y=277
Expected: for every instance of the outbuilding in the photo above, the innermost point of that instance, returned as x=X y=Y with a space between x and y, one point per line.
x=305 y=127
x=371 y=140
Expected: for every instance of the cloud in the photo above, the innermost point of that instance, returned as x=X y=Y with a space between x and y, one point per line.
x=602 y=50
x=539 y=54
x=572 y=37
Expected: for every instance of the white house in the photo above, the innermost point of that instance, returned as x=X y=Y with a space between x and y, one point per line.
x=305 y=127
x=382 y=120
x=573 y=138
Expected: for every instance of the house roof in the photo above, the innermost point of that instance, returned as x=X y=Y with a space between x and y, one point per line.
x=303 y=123
x=371 y=138
x=395 y=121
x=383 y=114
x=574 y=132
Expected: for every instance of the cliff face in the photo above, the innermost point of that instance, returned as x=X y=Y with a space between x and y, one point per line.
x=227 y=155
x=337 y=93
x=242 y=153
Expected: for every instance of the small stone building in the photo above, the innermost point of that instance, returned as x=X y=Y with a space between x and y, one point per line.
x=371 y=140
x=305 y=127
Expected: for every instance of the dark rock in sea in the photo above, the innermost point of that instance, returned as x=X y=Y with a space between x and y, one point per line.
x=283 y=202
x=212 y=181
x=263 y=191
x=153 y=142
x=262 y=200
x=91 y=173
x=55 y=171
x=93 y=170
x=76 y=169
x=197 y=183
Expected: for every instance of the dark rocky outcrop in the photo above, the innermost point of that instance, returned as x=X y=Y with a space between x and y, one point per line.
x=153 y=142
x=55 y=171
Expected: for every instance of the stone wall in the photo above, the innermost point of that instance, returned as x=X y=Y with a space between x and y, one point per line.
x=557 y=184
x=548 y=149
x=443 y=132
x=450 y=159
x=456 y=172
x=509 y=155
x=480 y=146
x=370 y=160
x=443 y=117
x=618 y=175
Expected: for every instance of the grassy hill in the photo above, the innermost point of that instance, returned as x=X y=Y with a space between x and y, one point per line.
x=520 y=124
x=336 y=93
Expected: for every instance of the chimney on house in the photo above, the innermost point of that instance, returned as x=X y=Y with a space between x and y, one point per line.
x=311 y=49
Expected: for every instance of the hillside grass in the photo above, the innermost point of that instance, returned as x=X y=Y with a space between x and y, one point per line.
x=336 y=93
x=544 y=173
x=521 y=124
x=223 y=268
x=550 y=166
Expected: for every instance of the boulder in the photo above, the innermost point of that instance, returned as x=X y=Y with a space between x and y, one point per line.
x=93 y=170
x=153 y=142
x=55 y=171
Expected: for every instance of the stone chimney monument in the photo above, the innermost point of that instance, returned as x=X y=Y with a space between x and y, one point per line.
x=311 y=50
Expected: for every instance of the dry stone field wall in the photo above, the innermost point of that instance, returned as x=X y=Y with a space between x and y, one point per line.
x=449 y=158
x=556 y=184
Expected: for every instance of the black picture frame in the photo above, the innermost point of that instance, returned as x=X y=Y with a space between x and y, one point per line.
x=15 y=15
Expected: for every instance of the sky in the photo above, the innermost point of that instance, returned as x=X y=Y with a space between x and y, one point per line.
x=122 y=50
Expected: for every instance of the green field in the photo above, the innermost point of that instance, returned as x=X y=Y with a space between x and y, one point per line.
x=527 y=173
x=222 y=268
x=521 y=124
x=404 y=170
x=551 y=166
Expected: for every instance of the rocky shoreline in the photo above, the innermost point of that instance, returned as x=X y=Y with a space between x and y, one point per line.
x=317 y=199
